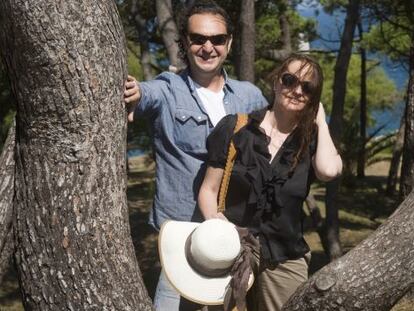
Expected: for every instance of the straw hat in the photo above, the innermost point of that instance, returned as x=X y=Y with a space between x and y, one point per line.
x=197 y=258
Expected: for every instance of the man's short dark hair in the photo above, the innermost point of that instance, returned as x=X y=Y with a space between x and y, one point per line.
x=198 y=7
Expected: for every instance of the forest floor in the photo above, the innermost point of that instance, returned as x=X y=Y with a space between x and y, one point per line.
x=363 y=207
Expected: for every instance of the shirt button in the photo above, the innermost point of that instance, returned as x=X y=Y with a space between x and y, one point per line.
x=183 y=117
x=199 y=118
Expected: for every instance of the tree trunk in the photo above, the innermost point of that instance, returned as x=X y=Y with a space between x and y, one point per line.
x=247 y=41
x=341 y=70
x=407 y=167
x=280 y=55
x=330 y=229
x=336 y=122
x=7 y=172
x=170 y=35
x=395 y=160
x=363 y=109
x=66 y=64
x=141 y=26
x=314 y=212
x=317 y=222
x=372 y=276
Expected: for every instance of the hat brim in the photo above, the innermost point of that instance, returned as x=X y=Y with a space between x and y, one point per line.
x=190 y=284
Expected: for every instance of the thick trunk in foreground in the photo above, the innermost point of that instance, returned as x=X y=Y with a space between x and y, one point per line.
x=7 y=170
x=247 y=41
x=66 y=63
x=371 y=277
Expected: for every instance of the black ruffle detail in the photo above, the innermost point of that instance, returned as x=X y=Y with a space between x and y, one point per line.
x=266 y=182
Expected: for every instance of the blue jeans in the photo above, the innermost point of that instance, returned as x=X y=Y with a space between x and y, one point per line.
x=168 y=299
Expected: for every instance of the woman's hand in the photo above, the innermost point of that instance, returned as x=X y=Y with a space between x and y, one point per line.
x=209 y=191
x=219 y=216
x=326 y=162
x=320 y=116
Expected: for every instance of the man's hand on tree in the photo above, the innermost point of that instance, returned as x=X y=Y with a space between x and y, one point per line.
x=132 y=95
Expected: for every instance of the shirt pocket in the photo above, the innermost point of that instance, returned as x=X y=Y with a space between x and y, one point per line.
x=190 y=131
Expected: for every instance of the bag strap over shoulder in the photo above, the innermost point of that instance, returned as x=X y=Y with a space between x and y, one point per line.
x=231 y=156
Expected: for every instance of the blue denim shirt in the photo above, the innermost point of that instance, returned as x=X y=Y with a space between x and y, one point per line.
x=180 y=126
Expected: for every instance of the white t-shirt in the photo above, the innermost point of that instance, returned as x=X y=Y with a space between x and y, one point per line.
x=212 y=102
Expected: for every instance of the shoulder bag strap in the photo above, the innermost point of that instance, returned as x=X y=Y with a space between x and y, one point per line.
x=231 y=156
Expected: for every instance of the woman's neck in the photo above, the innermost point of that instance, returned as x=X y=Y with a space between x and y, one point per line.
x=284 y=121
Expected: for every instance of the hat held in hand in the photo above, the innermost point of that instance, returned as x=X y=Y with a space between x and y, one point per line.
x=197 y=258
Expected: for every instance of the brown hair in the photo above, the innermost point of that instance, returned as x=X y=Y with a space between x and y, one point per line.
x=306 y=123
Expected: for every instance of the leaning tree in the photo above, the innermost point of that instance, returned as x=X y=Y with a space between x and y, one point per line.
x=373 y=276
x=72 y=243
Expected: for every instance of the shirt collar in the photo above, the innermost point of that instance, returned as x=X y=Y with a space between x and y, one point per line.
x=191 y=84
x=257 y=116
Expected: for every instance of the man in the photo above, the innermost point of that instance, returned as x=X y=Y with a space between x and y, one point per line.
x=183 y=109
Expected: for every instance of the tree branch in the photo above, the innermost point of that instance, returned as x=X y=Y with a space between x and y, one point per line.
x=372 y=276
x=280 y=55
x=140 y=25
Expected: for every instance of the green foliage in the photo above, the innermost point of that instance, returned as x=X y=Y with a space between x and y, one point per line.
x=268 y=36
x=394 y=32
x=381 y=95
x=330 y=6
x=134 y=64
x=267 y=32
x=390 y=40
x=381 y=91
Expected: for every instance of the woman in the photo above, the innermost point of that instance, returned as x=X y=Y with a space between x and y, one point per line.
x=279 y=152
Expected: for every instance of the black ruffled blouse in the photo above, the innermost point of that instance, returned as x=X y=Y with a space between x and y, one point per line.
x=265 y=197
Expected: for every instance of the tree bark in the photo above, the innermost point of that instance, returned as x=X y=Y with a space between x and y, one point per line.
x=247 y=41
x=7 y=172
x=395 y=160
x=407 y=166
x=286 y=50
x=66 y=64
x=169 y=32
x=372 y=276
x=336 y=123
x=363 y=109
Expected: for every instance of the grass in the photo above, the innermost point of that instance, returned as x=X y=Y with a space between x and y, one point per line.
x=363 y=207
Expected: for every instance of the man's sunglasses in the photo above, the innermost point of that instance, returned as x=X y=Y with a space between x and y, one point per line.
x=291 y=81
x=198 y=39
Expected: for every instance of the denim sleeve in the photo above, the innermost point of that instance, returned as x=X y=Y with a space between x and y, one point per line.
x=251 y=95
x=258 y=98
x=154 y=94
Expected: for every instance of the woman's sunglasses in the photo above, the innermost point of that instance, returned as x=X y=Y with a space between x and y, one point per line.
x=198 y=39
x=291 y=81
